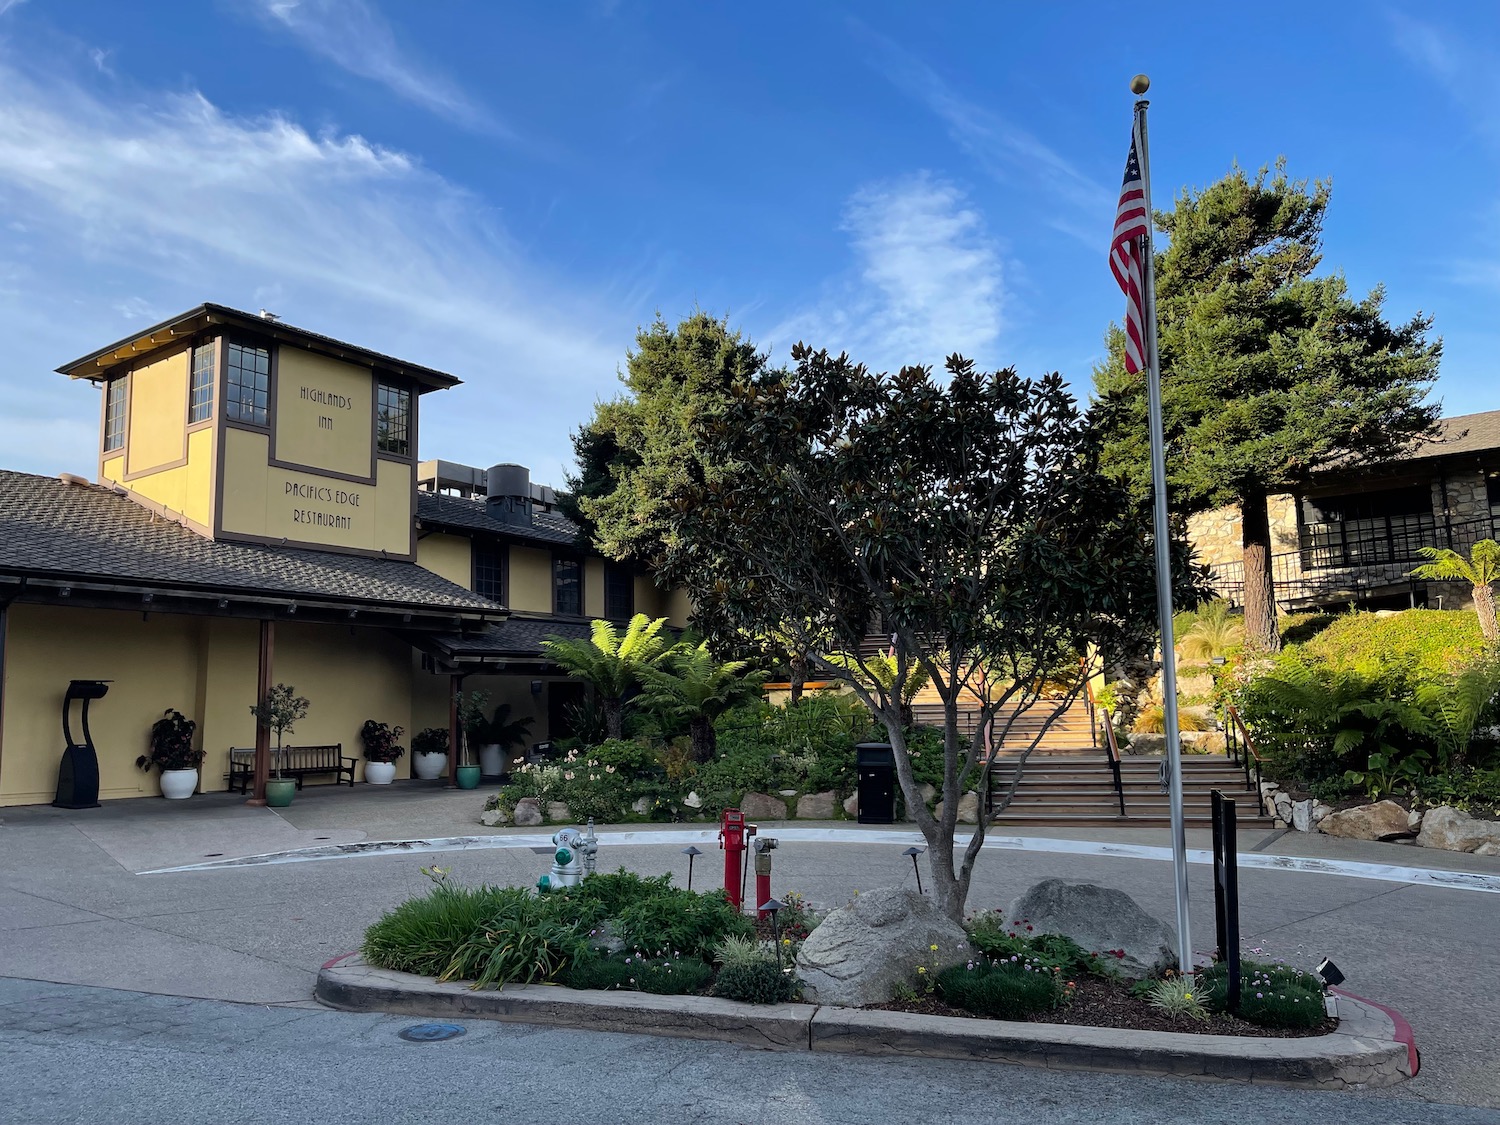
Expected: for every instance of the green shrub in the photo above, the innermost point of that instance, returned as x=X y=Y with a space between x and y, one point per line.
x=680 y=923
x=996 y=940
x=632 y=971
x=1426 y=641
x=1270 y=995
x=421 y=935
x=1177 y=996
x=524 y=942
x=924 y=745
x=760 y=981
x=613 y=891
x=739 y=949
x=1005 y=990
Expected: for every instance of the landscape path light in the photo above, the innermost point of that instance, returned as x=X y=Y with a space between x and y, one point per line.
x=773 y=908
x=915 y=851
x=691 y=852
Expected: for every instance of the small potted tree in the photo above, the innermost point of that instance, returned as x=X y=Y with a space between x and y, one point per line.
x=172 y=752
x=381 y=751
x=429 y=753
x=280 y=710
x=502 y=734
x=472 y=726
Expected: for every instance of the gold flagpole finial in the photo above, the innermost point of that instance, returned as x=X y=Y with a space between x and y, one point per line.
x=1140 y=84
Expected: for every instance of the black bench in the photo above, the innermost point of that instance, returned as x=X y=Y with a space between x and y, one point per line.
x=296 y=762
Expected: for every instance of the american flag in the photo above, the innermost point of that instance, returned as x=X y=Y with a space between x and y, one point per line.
x=1125 y=255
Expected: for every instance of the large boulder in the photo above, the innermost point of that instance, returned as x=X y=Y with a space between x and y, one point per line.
x=494 y=818
x=968 y=808
x=528 y=812
x=858 y=953
x=763 y=806
x=1453 y=831
x=817 y=806
x=1380 y=821
x=851 y=805
x=1101 y=920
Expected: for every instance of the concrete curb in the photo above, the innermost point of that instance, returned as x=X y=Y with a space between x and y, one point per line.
x=1364 y=1052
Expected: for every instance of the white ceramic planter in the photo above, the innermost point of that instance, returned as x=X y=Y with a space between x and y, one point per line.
x=178 y=785
x=491 y=760
x=429 y=767
x=380 y=773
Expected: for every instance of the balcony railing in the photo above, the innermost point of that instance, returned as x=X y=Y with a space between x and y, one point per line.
x=1352 y=569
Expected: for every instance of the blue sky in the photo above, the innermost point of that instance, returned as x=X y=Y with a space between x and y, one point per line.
x=507 y=191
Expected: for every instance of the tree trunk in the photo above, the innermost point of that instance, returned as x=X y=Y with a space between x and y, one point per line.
x=799 y=676
x=1484 y=605
x=614 y=718
x=705 y=742
x=1261 y=634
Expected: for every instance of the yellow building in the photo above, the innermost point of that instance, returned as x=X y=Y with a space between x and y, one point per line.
x=257 y=518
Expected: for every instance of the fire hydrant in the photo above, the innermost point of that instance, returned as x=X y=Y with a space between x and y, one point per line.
x=566 y=871
x=732 y=833
x=764 y=846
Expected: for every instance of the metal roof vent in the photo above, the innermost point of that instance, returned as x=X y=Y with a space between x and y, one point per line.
x=508 y=493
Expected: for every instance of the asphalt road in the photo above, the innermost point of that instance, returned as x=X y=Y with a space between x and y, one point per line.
x=79 y=1054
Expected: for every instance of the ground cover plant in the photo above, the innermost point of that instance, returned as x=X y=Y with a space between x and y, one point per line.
x=617 y=930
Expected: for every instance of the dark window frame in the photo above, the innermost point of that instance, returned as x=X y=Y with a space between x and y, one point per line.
x=614 y=573
x=1366 y=528
x=396 y=440
x=202 y=378
x=115 y=406
x=247 y=403
x=558 y=563
x=491 y=576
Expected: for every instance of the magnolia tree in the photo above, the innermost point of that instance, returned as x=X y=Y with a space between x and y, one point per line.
x=966 y=518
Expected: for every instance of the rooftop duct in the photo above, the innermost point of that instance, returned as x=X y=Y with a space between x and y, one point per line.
x=508 y=493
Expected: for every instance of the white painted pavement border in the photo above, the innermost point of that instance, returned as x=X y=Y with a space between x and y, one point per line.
x=1349 y=869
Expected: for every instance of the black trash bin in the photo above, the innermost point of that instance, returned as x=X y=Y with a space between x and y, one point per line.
x=875 y=766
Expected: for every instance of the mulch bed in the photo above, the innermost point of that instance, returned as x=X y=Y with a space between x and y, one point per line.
x=1105 y=1003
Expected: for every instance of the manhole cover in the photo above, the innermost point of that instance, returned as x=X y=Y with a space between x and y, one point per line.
x=430 y=1032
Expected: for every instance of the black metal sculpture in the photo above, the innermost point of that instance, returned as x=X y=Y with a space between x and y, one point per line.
x=78 y=774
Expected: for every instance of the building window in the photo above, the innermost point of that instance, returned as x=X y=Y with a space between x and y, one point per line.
x=489 y=573
x=619 y=593
x=114 y=414
x=1366 y=529
x=393 y=419
x=201 y=390
x=249 y=389
x=567 y=587
x=1492 y=494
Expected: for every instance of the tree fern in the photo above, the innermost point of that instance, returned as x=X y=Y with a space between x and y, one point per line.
x=1480 y=570
x=610 y=662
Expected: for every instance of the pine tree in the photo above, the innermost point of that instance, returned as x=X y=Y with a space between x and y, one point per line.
x=1269 y=373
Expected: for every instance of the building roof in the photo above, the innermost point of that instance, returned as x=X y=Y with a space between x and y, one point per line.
x=516 y=638
x=56 y=530
x=96 y=364
x=1463 y=433
x=437 y=510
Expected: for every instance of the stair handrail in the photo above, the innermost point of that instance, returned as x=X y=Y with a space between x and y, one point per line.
x=1236 y=737
x=1111 y=748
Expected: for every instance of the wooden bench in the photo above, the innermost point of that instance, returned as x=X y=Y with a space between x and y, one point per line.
x=296 y=762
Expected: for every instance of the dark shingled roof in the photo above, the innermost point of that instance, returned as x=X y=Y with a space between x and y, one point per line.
x=437 y=510
x=1465 y=433
x=514 y=637
x=89 y=533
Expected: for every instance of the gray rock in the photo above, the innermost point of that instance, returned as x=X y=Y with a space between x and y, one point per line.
x=762 y=806
x=494 y=818
x=1302 y=815
x=557 y=811
x=1492 y=848
x=859 y=952
x=1367 y=822
x=968 y=809
x=1321 y=812
x=641 y=806
x=1144 y=743
x=1100 y=919
x=1284 y=808
x=851 y=805
x=692 y=800
x=528 y=812
x=1453 y=831
x=927 y=793
x=817 y=806
x=1413 y=819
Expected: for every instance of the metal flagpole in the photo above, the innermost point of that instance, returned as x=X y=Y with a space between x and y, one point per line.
x=1139 y=85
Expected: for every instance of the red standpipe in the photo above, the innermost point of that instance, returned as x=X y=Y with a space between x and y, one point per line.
x=732 y=835
x=762 y=877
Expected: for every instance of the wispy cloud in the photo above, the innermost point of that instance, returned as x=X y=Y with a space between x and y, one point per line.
x=1466 y=66
x=138 y=205
x=353 y=34
x=929 y=280
x=1005 y=151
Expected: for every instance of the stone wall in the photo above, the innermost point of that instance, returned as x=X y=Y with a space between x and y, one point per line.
x=1218 y=538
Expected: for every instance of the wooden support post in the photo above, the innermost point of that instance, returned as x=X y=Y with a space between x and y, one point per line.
x=262 y=731
x=455 y=685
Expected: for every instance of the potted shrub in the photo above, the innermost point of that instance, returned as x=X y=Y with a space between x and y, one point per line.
x=280 y=710
x=381 y=751
x=471 y=728
x=429 y=753
x=172 y=752
x=502 y=734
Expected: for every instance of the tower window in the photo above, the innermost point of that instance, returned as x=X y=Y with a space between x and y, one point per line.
x=249 y=388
